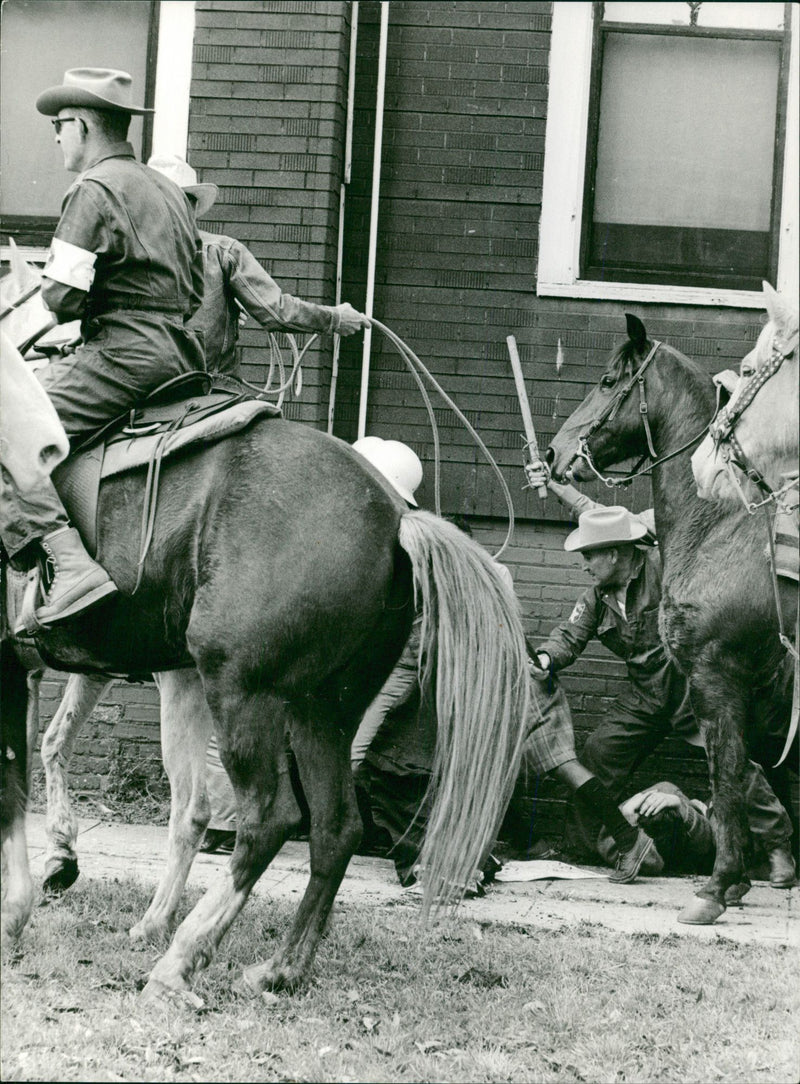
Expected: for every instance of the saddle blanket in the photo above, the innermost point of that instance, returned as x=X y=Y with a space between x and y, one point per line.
x=77 y=480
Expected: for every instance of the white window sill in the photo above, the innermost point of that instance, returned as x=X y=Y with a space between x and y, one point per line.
x=29 y=252
x=664 y=295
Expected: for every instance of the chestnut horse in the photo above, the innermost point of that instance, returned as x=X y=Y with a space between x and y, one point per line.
x=287 y=572
x=717 y=614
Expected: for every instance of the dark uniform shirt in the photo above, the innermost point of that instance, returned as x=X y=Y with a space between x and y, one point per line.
x=127 y=237
x=656 y=686
x=235 y=280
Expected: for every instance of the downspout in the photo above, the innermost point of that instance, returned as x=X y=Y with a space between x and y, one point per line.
x=348 y=164
x=373 y=217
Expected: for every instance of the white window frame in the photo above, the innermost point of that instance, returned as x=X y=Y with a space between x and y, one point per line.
x=564 y=167
x=176 y=22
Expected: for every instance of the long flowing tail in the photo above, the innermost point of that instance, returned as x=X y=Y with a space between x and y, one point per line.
x=472 y=642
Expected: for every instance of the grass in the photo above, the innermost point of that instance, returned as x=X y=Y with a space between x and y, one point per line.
x=391 y=1001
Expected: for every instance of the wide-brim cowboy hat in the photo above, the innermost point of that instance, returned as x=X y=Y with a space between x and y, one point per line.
x=182 y=174
x=599 y=528
x=90 y=88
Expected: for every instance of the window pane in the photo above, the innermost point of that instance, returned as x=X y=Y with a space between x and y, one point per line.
x=687 y=131
x=41 y=40
x=739 y=16
x=685 y=149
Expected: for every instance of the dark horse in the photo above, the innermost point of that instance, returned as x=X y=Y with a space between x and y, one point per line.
x=287 y=572
x=717 y=615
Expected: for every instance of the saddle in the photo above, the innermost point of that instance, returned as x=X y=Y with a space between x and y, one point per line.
x=191 y=411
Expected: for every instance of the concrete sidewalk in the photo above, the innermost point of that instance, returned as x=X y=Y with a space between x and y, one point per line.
x=650 y=905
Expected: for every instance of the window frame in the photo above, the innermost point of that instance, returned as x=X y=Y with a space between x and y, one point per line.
x=573 y=94
x=170 y=42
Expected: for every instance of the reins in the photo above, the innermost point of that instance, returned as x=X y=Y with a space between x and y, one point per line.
x=610 y=412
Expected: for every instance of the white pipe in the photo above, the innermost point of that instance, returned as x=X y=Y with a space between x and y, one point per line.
x=373 y=216
x=348 y=164
x=173 y=77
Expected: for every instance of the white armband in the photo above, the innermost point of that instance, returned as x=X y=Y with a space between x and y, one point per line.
x=70 y=265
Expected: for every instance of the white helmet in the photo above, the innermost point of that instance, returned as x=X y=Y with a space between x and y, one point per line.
x=397 y=463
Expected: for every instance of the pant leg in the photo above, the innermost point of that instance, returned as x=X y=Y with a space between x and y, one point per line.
x=612 y=752
x=93 y=385
x=28 y=517
x=220 y=791
x=767 y=819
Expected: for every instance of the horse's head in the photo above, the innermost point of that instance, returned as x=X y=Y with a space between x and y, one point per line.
x=608 y=427
x=758 y=428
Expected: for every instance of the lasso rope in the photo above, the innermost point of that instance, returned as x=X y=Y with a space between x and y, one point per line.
x=415 y=367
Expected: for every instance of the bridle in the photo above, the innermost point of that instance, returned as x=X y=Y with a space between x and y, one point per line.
x=726 y=443
x=610 y=412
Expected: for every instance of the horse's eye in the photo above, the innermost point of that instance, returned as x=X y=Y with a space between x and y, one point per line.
x=746 y=370
x=607 y=381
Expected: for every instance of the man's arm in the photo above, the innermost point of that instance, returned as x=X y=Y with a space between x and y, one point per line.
x=568 y=640
x=80 y=236
x=260 y=295
x=576 y=502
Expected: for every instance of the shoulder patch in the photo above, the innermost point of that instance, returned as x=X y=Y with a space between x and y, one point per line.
x=578 y=612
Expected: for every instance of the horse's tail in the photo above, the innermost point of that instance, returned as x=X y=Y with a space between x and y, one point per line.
x=472 y=640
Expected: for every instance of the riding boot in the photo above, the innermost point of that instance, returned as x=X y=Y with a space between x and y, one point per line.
x=72 y=582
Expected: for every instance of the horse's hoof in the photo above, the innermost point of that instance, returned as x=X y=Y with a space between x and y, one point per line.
x=147 y=933
x=702 y=912
x=60 y=875
x=736 y=893
x=157 y=994
x=261 y=977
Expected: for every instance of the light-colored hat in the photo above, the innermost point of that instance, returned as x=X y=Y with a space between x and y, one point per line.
x=601 y=527
x=182 y=174
x=91 y=88
x=396 y=462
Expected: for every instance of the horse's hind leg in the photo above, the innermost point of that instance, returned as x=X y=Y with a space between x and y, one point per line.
x=720 y=701
x=185 y=729
x=80 y=696
x=322 y=749
x=251 y=734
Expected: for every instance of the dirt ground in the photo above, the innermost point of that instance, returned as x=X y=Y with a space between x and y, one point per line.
x=650 y=905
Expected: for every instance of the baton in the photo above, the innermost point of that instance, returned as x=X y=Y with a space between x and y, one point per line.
x=524 y=406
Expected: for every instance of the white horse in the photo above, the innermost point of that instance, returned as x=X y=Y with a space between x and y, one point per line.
x=183 y=705
x=758 y=429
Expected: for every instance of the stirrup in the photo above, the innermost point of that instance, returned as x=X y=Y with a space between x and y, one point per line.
x=28 y=624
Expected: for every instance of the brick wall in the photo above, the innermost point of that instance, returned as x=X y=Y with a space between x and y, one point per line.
x=268 y=100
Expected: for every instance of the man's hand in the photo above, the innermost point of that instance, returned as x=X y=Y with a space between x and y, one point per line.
x=539 y=665
x=537 y=474
x=350 y=320
x=649 y=803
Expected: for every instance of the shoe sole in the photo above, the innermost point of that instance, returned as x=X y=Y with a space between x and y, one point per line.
x=85 y=602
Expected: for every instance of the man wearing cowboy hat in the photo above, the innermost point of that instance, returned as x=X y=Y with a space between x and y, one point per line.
x=236 y=284
x=621 y=610
x=126 y=259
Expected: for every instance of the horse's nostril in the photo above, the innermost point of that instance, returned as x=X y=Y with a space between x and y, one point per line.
x=549 y=457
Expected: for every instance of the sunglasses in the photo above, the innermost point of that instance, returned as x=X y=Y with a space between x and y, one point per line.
x=59 y=121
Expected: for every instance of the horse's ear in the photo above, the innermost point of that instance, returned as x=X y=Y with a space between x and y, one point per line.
x=636 y=331
x=782 y=314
